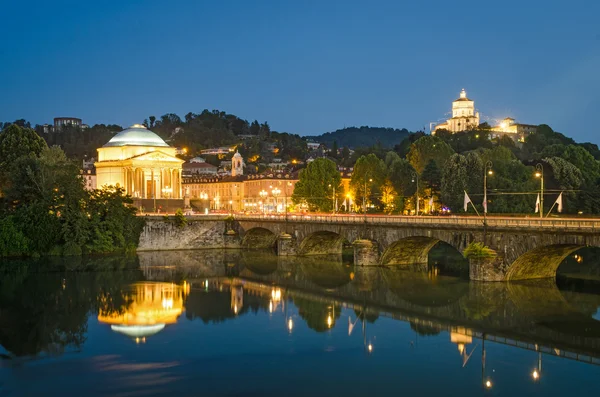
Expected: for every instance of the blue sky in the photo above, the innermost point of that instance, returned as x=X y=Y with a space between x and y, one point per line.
x=306 y=67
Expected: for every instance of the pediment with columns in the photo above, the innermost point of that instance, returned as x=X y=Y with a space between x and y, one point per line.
x=156 y=156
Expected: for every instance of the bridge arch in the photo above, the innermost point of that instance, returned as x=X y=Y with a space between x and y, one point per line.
x=322 y=243
x=410 y=250
x=540 y=262
x=259 y=238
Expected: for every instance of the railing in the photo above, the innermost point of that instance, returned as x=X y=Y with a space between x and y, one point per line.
x=492 y=222
x=588 y=225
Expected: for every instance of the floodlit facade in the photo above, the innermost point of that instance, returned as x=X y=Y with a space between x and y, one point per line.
x=464 y=116
x=511 y=128
x=142 y=163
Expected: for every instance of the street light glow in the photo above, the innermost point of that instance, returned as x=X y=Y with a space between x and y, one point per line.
x=535 y=374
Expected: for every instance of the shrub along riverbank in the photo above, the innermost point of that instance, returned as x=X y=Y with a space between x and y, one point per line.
x=45 y=209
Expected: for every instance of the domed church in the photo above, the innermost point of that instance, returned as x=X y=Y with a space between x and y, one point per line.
x=142 y=163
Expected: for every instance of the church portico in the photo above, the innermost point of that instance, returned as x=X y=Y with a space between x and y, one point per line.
x=140 y=162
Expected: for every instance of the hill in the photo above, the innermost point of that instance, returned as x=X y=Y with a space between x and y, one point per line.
x=365 y=136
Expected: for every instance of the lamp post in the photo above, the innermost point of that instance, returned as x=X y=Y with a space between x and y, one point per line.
x=263 y=195
x=276 y=193
x=333 y=198
x=539 y=173
x=487 y=170
x=204 y=198
x=166 y=191
x=365 y=198
x=233 y=195
x=415 y=178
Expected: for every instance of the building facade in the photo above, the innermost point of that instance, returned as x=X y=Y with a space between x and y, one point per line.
x=516 y=131
x=139 y=161
x=60 y=122
x=464 y=116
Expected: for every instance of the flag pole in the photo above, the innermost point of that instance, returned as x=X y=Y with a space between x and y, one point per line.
x=551 y=208
x=473 y=205
x=555 y=202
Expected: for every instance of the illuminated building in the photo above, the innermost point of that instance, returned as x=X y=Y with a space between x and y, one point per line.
x=464 y=116
x=153 y=306
x=510 y=128
x=139 y=161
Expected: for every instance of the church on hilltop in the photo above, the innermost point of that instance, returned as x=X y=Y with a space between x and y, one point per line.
x=464 y=116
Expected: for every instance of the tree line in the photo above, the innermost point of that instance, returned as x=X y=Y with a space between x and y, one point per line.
x=446 y=165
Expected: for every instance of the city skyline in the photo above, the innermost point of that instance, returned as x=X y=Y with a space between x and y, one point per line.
x=306 y=68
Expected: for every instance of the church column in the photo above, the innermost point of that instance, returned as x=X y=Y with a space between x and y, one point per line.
x=161 y=185
x=133 y=180
x=142 y=183
x=179 y=183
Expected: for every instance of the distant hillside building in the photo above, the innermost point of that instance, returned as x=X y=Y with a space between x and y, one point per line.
x=511 y=128
x=464 y=116
x=60 y=122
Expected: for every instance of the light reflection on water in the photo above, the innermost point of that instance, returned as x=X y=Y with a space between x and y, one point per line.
x=223 y=323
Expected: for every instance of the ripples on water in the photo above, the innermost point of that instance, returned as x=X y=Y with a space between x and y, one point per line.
x=251 y=323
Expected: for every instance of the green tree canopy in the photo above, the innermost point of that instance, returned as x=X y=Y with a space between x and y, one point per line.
x=370 y=173
x=316 y=184
x=428 y=148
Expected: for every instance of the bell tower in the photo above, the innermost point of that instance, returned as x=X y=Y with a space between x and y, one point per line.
x=237 y=164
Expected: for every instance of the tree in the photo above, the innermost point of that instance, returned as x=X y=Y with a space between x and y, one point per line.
x=369 y=172
x=16 y=142
x=428 y=148
x=454 y=181
x=432 y=177
x=389 y=198
x=316 y=184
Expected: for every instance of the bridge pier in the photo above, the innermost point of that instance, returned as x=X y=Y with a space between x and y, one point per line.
x=286 y=245
x=487 y=269
x=366 y=253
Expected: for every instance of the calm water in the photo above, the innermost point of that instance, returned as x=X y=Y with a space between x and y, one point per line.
x=224 y=323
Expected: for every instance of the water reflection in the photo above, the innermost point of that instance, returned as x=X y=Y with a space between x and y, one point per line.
x=148 y=308
x=283 y=304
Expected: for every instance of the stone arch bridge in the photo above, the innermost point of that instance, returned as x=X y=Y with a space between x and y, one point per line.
x=527 y=248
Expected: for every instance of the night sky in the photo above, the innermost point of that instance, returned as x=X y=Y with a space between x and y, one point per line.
x=306 y=67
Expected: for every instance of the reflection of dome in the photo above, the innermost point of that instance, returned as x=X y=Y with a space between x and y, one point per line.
x=136 y=135
x=153 y=305
x=138 y=331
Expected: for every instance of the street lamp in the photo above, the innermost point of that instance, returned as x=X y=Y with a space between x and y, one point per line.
x=539 y=173
x=333 y=198
x=415 y=177
x=487 y=170
x=365 y=198
x=263 y=195
x=204 y=198
x=276 y=193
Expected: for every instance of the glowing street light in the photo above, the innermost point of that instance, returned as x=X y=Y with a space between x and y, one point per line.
x=263 y=195
x=415 y=177
x=276 y=193
x=539 y=173
x=487 y=170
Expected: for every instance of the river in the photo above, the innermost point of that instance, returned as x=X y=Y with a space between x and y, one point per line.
x=232 y=323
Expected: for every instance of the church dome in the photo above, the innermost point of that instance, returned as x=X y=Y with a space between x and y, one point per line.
x=136 y=135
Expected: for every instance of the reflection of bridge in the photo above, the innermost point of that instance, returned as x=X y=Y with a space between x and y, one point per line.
x=501 y=337
x=527 y=248
x=534 y=315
